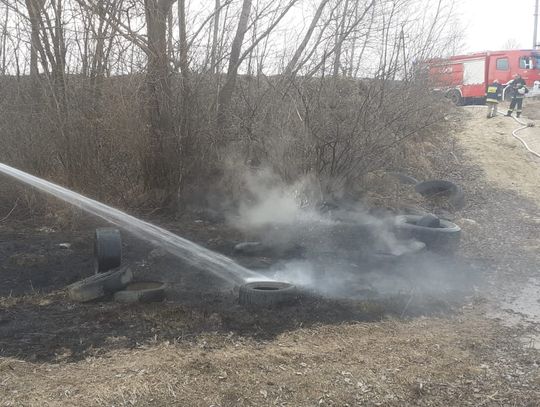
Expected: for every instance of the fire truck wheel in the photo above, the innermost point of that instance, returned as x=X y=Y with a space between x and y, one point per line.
x=455 y=97
x=267 y=294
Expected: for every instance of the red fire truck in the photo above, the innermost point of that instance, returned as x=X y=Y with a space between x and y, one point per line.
x=464 y=78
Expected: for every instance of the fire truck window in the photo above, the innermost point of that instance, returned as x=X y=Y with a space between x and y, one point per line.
x=536 y=59
x=502 y=64
x=525 y=63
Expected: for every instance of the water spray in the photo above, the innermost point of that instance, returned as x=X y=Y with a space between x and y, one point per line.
x=194 y=254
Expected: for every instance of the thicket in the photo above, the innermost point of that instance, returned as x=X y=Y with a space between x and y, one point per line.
x=138 y=105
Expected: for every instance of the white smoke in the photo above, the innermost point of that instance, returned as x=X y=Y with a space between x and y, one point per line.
x=269 y=201
x=336 y=243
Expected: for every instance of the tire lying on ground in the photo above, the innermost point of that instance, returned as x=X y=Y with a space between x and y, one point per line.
x=142 y=291
x=430 y=221
x=443 y=239
x=100 y=285
x=107 y=249
x=267 y=294
x=435 y=188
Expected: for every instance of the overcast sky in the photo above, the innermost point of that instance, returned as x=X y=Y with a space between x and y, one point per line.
x=490 y=24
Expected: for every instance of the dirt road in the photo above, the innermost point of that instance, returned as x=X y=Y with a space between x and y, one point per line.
x=504 y=160
x=515 y=173
x=481 y=353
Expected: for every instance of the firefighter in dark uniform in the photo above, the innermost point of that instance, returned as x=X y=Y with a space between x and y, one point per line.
x=519 y=90
x=493 y=96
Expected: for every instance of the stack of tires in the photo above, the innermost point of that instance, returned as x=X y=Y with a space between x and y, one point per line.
x=111 y=278
x=439 y=235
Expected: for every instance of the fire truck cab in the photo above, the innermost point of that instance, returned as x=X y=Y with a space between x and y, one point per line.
x=464 y=78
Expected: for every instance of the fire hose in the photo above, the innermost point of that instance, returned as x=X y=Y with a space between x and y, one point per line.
x=523 y=127
x=514 y=132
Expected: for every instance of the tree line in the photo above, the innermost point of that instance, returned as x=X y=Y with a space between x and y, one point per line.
x=123 y=98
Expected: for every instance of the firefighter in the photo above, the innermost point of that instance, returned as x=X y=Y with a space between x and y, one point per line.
x=519 y=90
x=493 y=96
x=513 y=83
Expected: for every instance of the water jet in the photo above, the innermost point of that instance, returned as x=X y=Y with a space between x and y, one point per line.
x=184 y=249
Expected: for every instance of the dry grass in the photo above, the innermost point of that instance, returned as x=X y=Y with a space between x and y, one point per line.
x=431 y=362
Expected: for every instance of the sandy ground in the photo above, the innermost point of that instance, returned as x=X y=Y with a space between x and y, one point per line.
x=210 y=352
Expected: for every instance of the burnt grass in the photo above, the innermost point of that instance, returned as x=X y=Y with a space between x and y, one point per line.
x=39 y=323
x=44 y=331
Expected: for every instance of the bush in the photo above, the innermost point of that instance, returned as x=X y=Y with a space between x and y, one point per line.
x=336 y=130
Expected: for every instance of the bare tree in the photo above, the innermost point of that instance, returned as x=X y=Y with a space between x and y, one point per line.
x=122 y=93
x=236 y=57
x=3 y=50
x=157 y=164
x=307 y=37
x=340 y=37
x=182 y=34
x=227 y=90
x=215 y=40
x=33 y=7
x=512 y=43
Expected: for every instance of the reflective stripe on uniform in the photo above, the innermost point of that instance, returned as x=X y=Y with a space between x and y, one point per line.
x=492 y=100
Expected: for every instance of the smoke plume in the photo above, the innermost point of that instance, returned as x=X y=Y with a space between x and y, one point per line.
x=345 y=251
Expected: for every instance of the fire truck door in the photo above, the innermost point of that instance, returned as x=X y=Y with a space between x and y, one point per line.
x=473 y=72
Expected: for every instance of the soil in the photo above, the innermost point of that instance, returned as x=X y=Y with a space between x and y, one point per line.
x=472 y=345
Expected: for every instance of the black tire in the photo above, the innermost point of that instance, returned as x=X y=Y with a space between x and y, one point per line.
x=437 y=187
x=142 y=291
x=430 y=221
x=404 y=178
x=267 y=294
x=455 y=98
x=100 y=285
x=107 y=249
x=442 y=239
